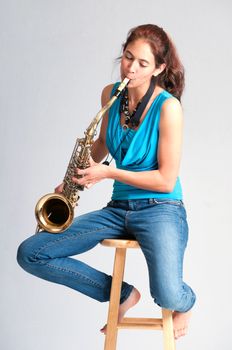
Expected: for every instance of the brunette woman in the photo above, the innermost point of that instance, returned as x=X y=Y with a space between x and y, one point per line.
x=142 y=132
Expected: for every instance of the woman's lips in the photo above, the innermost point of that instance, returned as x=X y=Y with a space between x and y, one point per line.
x=128 y=76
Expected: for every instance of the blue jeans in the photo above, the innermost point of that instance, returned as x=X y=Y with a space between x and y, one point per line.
x=159 y=226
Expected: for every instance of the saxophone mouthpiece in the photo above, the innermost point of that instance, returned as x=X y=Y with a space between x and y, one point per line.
x=126 y=81
x=121 y=87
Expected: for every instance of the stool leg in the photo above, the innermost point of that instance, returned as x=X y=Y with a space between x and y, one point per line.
x=112 y=322
x=169 y=340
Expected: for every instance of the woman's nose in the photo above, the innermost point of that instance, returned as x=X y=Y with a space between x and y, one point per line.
x=132 y=67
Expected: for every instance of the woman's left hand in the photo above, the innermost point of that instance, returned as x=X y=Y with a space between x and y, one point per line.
x=91 y=175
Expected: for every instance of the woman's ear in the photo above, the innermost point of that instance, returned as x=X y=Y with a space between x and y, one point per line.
x=160 y=69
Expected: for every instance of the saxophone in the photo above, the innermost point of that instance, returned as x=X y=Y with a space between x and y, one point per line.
x=55 y=211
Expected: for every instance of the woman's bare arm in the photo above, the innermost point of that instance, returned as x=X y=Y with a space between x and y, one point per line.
x=99 y=148
x=169 y=152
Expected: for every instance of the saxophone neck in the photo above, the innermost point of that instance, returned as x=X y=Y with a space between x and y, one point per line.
x=91 y=130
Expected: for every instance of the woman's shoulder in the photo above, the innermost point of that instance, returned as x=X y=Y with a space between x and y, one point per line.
x=106 y=93
x=171 y=103
x=168 y=101
x=171 y=110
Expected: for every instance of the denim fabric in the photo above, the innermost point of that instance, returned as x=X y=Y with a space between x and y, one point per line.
x=160 y=227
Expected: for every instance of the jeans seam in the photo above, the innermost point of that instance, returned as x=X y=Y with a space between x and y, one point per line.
x=94 y=283
x=73 y=236
x=182 y=232
x=126 y=218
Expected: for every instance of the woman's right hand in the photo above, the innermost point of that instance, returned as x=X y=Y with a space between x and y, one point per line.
x=59 y=188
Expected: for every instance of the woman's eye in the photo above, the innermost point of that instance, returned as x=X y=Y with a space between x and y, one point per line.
x=144 y=65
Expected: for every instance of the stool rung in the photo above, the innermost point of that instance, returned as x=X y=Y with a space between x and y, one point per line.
x=141 y=323
x=163 y=324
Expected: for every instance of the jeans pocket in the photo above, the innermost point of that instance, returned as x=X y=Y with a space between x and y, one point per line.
x=169 y=201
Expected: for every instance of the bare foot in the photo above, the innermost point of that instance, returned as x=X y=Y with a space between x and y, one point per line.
x=125 y=306
x=180 y=323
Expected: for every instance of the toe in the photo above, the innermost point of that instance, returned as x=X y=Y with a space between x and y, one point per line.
x=103 y=329
x=180 y=332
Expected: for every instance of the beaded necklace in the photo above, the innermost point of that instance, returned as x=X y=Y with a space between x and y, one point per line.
x=134 y=117
x=124 y=108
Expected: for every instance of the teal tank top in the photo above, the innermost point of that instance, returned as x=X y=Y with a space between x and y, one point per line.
x=138 y=151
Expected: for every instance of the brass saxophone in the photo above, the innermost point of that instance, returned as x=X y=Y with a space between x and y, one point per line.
x=55 y=211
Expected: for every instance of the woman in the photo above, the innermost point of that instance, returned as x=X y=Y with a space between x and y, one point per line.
x=142 y=132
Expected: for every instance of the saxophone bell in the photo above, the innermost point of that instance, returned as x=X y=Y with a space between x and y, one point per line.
x=54 y=213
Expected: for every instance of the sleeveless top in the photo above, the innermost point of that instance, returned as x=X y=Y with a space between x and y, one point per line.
x=138 y=151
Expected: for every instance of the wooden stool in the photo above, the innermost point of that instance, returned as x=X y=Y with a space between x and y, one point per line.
x=165 y=323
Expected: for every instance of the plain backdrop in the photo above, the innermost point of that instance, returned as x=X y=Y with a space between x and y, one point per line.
x=55 y=58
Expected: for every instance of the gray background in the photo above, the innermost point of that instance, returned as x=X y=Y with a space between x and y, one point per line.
x=55 y=58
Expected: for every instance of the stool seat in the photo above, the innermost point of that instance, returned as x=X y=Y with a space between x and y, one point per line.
x=120 y=243
x=165 y=324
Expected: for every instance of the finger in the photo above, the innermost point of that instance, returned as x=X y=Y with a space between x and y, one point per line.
x=88 y=186
x=80 y=180
x=77 y=180
x=81 y=171
x=59 y=188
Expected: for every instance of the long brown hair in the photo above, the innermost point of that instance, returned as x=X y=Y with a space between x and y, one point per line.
x=164 y=51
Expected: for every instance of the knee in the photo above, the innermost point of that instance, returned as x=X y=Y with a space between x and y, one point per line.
x=176 y=299
x=168 y=299
x=168 y=302
x=25 y=256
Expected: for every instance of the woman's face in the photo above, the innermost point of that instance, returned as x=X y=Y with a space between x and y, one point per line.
x=138 y=63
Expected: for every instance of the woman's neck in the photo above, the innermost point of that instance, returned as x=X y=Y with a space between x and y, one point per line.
x=136 y=94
